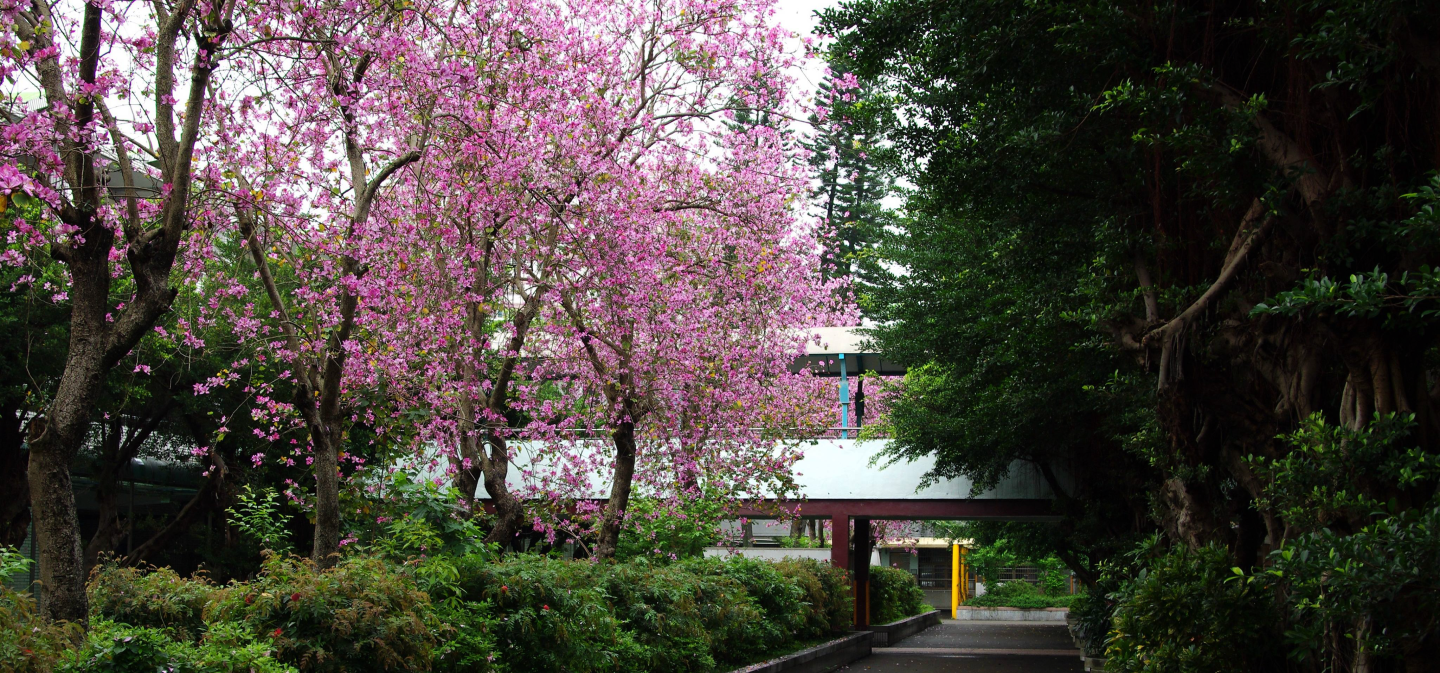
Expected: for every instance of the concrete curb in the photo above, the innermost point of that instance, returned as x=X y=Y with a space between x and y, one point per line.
x=894 y=632
x=819 y=659
x=1012 y=614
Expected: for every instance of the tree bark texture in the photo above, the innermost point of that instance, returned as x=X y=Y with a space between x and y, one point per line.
x=623 y=438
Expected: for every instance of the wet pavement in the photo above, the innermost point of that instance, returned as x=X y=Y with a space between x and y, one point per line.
x=978 y=647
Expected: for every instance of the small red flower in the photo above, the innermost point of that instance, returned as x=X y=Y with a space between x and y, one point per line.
x=544 y=607
x=249 y=599
x=504 y=589
x=278 y=632
x=294 y=597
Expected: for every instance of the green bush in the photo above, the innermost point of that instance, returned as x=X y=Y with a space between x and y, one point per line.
x=1092 y=620
x=670 y=613
x=123 y=648
x=522 y=613
x=29 y=643
x=1019 y=594
x=827 y=593
x=894 y=595
x=662 y=531
x=1188 y=612
x=112 y=647
x=552 y=614
x=157 y=598
x=472 y=647
x=362 y=615
x=782 y=604
x=642 y=615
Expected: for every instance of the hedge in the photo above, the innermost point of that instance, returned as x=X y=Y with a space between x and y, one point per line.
x=519 y=614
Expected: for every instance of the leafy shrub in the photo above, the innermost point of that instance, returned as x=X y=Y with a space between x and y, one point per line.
x=670 y=611
x=642 y=615
x=1019 y=594
x=362 y=615
x=1358 y=562
x=12 y=562
x=826 y=591
x=1092 y=620
x=663 y=531
x=112 y=647
x=472 y=647
x=257 y=514
x=123 y=648
x=29 y=643
x=1186 y=612
x=781 y=604
x=157 y=598
x=1054 y=576
x=552 y=614
x=894 y=595
x=232 y=648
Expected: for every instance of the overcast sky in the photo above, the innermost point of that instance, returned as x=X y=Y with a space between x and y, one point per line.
x=799 y=17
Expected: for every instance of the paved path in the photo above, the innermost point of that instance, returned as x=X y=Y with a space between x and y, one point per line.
x=978 y=647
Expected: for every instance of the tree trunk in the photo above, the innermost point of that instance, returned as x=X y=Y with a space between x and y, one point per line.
x=14 y=484
x=614 y=517
x=508 y=509
x=326 y=549
x=56 y=438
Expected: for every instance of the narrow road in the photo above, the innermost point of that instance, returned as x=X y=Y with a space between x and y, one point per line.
x=978 y=647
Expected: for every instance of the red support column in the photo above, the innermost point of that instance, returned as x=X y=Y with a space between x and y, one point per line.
x=840 y=540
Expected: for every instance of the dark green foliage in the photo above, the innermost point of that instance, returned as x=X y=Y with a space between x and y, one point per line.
x=894 y=595
x=694 y=615
x=781 y=602
x=672 y=614
x=521 y=613
x=472 y=646
x=826 y=591
x=553 y=614
x=362 y=615
x=1091 y=616
x=123 y=648
x=1145 y=243
x=1357 y=558
x=1189 y=612
x=112 y=647
x=156 y=598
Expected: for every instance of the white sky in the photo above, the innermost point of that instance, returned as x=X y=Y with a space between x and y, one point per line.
x=799 y=17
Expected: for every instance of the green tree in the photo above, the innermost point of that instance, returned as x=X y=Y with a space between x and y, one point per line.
x=1147 y=241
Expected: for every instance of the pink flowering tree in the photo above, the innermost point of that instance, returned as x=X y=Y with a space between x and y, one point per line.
x=691 y=281
x=92 y=102
x=315 y=126
x=608 y=249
